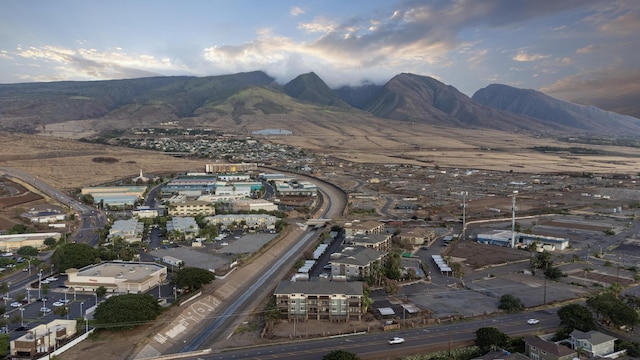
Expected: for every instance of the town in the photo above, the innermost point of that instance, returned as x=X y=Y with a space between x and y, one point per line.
x=364 y=248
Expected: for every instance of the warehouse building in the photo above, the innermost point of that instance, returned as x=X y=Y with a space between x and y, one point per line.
x=503 y=238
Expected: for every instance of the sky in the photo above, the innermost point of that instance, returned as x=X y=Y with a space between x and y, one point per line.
x=578 y=50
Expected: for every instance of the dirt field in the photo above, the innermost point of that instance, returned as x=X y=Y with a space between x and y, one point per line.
x=475 y=256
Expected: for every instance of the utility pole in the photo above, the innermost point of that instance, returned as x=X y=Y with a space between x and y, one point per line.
x=464 y=213
x=513 y=219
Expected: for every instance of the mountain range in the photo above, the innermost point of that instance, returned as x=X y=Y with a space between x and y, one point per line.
x=237 y=102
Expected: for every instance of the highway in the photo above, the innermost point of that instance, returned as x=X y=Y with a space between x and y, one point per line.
x=418 y=340
x=90 y=218
x=272 y=274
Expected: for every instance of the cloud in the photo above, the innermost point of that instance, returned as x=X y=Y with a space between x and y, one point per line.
x=91 y=64
x=586 y=49
x=295 y=11
x=318 y=25
x=523 y=56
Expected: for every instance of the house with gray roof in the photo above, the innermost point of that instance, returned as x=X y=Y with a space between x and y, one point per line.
x=595 y=343
x=539 y=349
x=320 y=299
x=355 y=262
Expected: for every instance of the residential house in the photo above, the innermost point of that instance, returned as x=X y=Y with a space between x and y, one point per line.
x=595 y=343
x=539 y=349
x=320 y=300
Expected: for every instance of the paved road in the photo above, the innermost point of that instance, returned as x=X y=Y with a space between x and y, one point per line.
x=418 y=340
x=90 y=218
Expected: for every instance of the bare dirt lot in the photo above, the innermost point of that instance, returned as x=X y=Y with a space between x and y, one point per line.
x=475 y=256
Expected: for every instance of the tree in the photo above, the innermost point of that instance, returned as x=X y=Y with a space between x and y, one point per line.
x=27 y=251
x=74 y=256
x=193 y=278
x=510 y=303
x=101 y=291
x=576 y=316
x=340 y=355
x=542 y=260
x=553 y=273
x=488 y=338
x=61 y=311
x=613 y=310
x=50 y=242
x=127 y=311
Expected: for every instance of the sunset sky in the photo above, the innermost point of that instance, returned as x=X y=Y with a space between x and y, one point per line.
x=578 y=50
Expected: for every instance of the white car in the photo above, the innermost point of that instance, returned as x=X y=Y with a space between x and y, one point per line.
x=16 y=304
x=57 y=304
x=45 y=310
x=52 y=279
x=64 y=301
x=533 y=321
x=396 y=340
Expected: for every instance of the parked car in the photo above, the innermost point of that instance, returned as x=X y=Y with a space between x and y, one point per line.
x=396 y=340
x=533 y=321
x=57 y=304
x=44 y=298
x=16 y=304
x=45 y=310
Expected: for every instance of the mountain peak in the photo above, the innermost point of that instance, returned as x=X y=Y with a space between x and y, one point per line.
x=311 y=88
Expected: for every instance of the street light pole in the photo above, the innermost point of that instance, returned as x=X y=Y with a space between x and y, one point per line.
x=29 y=261
x=81 y=313
x=21 y=316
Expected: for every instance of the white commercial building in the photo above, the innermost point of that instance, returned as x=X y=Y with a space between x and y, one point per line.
x=117 y=277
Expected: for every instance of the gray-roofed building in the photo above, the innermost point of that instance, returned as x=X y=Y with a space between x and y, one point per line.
x=130 y=230
x=355 y=263
x=593 y=342
x=44 y=216
x=252 y=221
x=364 y=227
x=539 y=349
x=380 y=242
x=320 y=300
x=184 y=225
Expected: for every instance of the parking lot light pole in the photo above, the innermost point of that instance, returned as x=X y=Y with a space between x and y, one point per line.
x=81 y=303
x=40 y=285
x=21 y=316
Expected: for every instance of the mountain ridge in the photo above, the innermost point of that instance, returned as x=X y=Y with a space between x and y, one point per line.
x=124 y=104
